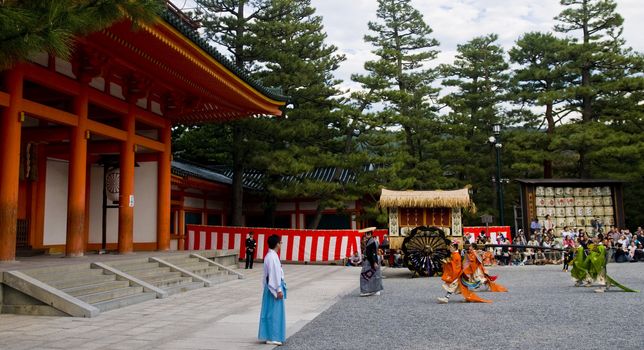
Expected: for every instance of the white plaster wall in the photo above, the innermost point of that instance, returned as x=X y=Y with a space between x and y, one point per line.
x=192 y=202
x=145 y=202
x=56 y=202
x=145 y=206
x=96 y=210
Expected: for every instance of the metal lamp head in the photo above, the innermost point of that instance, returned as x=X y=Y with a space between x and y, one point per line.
x=496 y=129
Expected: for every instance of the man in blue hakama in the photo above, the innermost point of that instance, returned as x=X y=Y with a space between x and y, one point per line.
x=272 y=318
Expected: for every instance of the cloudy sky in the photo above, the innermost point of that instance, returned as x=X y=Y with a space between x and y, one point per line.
x=455 y=22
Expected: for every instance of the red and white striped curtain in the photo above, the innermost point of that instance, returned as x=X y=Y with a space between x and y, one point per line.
x=297 y=245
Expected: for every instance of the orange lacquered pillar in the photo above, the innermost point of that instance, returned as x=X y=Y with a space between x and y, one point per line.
x=10 y=129
x=77 y=179
x=164 y=178
x=126 y=186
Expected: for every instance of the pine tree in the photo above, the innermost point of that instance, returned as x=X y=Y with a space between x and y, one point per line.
x=282 y=43
x=479 y=76
x=313 y=132
x=607 y=71
x=540 y=80
x=400 y=81
x=33 y=26
x=231 y=23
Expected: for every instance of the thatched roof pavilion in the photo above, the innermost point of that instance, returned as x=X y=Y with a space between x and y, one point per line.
x=426 y=199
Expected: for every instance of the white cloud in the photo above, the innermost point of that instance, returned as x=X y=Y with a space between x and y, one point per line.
x=456 y=22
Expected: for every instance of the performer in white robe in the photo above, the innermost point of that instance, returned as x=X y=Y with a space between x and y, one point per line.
x=272 y=318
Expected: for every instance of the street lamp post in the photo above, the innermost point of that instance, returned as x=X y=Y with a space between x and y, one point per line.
x=496 y=141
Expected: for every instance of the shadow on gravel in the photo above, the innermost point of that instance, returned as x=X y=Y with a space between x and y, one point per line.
x=397 y=272
x=541 y=311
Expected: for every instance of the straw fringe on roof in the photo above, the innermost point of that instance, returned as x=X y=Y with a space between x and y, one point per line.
x=426 y=199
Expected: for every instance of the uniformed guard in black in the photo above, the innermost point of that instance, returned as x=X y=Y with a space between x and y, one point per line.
x=250 y=250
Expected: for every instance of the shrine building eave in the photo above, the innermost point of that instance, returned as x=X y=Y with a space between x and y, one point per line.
x=200 y=85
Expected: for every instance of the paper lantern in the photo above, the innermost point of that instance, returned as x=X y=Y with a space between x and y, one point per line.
x=539 y=191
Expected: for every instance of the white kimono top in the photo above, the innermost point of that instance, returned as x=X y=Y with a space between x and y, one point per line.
x=273 y=273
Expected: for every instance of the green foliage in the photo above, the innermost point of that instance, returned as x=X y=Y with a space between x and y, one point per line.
x=480 y=79
x=571 y=103
x=32 y=26
x=401 y=82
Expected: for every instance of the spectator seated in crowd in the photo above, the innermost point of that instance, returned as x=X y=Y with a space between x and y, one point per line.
x=639 y=253
x=516 y=258
x=621 y=255
x=355 y=260
x=540 y=258
x=398 y=258
x=488 y=255
x=528 y=254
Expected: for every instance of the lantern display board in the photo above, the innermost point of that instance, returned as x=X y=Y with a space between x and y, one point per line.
x=410 y=209
x=576 y=203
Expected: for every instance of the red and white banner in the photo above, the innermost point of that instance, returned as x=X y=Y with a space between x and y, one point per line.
x=297 y=245
x=493 y=232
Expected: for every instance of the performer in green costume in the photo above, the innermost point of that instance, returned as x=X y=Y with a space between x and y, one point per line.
x=589 y=267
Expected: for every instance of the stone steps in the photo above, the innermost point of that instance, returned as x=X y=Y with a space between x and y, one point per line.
x=172 y=282
x=80 y=281
x=123 y=282
x=134 y=266
x=95 y=288
x=124 y=301
x=149 y=273
x=183 y=287
x=116 y=293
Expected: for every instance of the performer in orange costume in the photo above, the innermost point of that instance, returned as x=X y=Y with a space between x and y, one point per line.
x=476 y=274
x=453 y=279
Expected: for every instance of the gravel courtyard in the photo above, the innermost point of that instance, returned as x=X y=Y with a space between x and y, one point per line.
x=542 y=310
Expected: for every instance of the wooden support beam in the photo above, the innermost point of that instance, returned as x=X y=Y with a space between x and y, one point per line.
x=151 y=119
x=77 y=180
x=50 y=114
x=51 y=79
x=149 y=143
x=10 y=129
x=106 y=130
x=62 y=83
x=126 y=187
x=164 y=190
x=39 y=223
x=45 y=134
x=109 y=102
x=4 y=99
x=146 y=157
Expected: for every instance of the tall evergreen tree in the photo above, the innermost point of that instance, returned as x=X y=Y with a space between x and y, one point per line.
x=313 y=132
x=282 y=43
x=480 y=79
x=607 y=71
x=400 y=80
x=540 y=80
x=33 y=26
x=231 y=24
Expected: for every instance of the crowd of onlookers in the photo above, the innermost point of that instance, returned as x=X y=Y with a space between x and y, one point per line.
x=536 y=247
